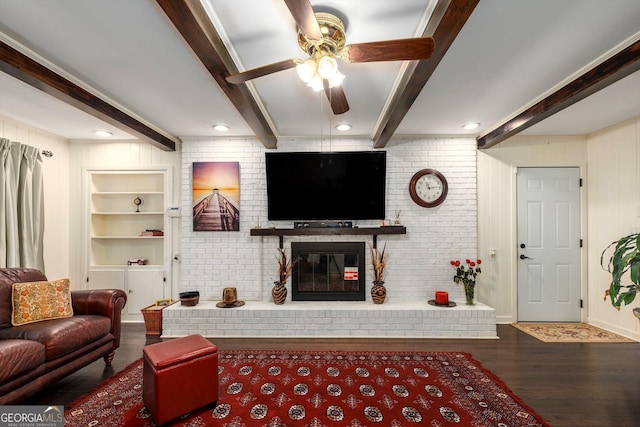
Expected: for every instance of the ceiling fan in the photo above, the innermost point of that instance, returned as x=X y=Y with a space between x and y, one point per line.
x=322 y=36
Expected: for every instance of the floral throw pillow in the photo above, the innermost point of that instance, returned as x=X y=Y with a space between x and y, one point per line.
x=37 y=301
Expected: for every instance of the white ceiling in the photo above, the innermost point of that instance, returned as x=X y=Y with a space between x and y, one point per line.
x=509 y=53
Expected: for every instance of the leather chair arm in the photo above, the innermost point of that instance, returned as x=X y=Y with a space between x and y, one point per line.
x=102 y=302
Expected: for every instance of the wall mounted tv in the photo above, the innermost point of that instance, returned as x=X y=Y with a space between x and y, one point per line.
x=326 y=186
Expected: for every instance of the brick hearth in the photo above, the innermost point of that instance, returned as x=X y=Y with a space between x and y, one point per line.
x=330 y=319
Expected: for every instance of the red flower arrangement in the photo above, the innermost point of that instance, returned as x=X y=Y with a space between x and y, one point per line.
x=466 y=273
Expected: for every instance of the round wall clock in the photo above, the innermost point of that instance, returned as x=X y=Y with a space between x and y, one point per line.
x=428 y=188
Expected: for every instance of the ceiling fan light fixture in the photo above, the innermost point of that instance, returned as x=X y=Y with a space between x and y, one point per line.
x=316 y=83
x=327 y=67
x=306 y=70
x=336 y=80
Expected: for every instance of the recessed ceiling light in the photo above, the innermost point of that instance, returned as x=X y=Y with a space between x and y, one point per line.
x=221 y=128
x=101 y=132
x=470 y=126
x=343 y=128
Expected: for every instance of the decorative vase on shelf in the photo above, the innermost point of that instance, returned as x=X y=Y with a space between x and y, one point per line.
x=469 y=290
x=279 y=293
x=378 y=292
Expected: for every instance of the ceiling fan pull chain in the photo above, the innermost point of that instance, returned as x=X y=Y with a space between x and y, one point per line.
x=330 y=123
x=321 y=115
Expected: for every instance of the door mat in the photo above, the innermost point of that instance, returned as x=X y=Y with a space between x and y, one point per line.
x=569 y=332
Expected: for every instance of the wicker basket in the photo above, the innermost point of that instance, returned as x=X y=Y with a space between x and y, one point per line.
x=153 y=319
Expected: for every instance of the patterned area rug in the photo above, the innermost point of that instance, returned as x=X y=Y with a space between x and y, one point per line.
x=289 y=388
x=569 y=332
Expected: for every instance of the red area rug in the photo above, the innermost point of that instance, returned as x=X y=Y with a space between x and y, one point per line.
x=332 y=388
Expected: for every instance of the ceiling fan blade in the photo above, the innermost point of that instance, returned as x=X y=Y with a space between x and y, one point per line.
x=390 y=50
x=337 y=98
x=261 y=71
x=305 y=18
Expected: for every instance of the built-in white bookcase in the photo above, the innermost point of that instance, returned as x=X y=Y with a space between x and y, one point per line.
x=123 y=207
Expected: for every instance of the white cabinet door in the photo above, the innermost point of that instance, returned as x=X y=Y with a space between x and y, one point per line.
x=145 y=285
x=106 y=278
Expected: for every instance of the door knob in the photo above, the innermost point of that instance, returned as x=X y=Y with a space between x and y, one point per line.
x=523 y=256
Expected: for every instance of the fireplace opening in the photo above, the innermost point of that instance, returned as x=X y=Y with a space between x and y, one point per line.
x=328 y=271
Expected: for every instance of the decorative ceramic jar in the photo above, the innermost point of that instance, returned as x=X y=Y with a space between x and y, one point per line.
x=378 y=292
x=279 y=293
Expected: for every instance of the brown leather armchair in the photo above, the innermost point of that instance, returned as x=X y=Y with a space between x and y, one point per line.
x=35 y=355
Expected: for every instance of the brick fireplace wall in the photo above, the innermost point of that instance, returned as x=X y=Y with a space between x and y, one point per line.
x=418 y=262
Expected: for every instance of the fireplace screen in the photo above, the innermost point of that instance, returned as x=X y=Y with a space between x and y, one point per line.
x=328 y=271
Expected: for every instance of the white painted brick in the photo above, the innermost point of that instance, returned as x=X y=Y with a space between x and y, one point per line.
x=213 y=260
x=255 y=322
x=418 y=262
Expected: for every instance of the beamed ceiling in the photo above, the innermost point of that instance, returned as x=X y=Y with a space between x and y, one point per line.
x=156 y=70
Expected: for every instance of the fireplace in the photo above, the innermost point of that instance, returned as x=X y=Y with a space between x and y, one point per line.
x=328 y=271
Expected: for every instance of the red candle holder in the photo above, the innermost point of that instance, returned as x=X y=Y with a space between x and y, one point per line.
x=442 y=297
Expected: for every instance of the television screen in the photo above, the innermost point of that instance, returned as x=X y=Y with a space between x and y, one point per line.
x=326 y=186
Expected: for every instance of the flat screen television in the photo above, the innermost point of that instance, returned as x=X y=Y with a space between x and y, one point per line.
x=326 y=186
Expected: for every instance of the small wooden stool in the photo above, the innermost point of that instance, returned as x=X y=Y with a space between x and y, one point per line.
x=179 y=376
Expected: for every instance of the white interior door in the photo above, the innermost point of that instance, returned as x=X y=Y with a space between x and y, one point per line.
x=549 y=244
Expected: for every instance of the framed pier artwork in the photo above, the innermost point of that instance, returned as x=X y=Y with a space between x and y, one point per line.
x=216 y=196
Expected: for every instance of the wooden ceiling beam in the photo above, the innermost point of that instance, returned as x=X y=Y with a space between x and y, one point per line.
x=193 y=23
x=619 y=66
x=418 y=73
x=22 y=67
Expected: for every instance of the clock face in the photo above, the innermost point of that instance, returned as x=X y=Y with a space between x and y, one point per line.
x=428 y=188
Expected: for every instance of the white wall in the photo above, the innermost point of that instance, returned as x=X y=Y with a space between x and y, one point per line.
x=418 y=262
x=56 y=192
x=614 y=211
x=497 y=210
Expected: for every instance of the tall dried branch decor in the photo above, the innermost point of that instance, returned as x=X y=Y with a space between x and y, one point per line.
x=285 y=265
x=378 y=260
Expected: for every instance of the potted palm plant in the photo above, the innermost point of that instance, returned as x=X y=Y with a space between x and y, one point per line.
x=623 y=263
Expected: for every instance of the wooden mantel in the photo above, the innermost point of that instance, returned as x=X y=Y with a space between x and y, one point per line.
x=329 y=231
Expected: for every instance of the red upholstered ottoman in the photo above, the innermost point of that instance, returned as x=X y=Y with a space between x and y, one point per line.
x=179 y=376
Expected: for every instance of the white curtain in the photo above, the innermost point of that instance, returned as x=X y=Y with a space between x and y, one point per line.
x=21 y=206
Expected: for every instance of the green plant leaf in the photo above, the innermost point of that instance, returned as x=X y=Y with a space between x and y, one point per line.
x=625 y=257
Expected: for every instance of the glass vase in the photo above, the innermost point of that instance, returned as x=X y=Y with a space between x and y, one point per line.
x=469 y=290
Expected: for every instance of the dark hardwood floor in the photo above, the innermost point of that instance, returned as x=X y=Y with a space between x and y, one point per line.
x=568 y=384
